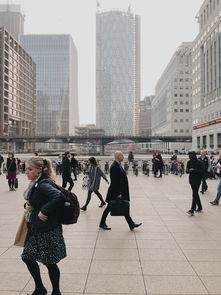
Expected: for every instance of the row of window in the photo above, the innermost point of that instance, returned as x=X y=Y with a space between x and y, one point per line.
x=181 y=131
x=182 y=80
x=202 y=141
x=181 y=95
x=181 y=120
x=208 y=11
x=181 y=102
x=209 y=117
x=181 y=110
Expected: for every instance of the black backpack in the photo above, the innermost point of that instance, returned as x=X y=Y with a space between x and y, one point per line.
x=70 y=210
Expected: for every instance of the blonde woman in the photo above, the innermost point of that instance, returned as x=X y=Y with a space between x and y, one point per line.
x=44 y=242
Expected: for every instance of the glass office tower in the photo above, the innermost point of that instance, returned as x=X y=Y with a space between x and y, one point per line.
x=118 y=72
x=57 y=82
x=12 y=19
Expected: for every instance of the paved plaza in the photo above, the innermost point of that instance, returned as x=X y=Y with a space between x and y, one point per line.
x=171 y=253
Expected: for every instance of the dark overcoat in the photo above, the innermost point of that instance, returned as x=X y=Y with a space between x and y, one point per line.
x=119 y=183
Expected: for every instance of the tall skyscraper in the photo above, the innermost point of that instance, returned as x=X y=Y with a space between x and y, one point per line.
x=57 y=82
x=17 y=89
x=145 y=111
x=12 y=19
x=207 y=78
x=172 y=104
x=118 y=72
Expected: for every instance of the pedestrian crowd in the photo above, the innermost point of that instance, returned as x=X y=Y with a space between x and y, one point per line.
x=45 y=201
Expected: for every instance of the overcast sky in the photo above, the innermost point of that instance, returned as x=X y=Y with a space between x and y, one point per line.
x=164 y=25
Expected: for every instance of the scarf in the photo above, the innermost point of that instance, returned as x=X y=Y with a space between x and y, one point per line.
x=27 y=194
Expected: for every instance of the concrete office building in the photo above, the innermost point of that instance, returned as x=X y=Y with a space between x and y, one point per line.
x=207 y=78
x=118 y=72
x=172 y=104
x=57 y=82
x=145 y=111
x=17 y=89
x=12 y=19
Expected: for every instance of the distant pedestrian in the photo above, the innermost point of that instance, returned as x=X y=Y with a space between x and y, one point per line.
x=130 y=157
x=11 y=171
x=94 y=174
x=119 y=188
x=1 y=163
x=106 y=167
x=66 y=171
x=195 y=169
x=74 y=166
x=207 y=168
x=58 y=163
x=218 y=173
x=44 y=242
x=157 y=164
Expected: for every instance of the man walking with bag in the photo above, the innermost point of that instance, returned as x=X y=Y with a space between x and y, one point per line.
x=119 y=188
x=66 y=171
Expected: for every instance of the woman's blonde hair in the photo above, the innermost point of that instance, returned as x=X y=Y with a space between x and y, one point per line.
x=44 y=164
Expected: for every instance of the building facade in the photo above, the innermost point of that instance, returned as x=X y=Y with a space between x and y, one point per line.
x=172 y=104
x=17 y=88
x=89 y=131
x=207 y=78
x=57 y=82
x=118 y=72
x=145 y=110
x=12 y=19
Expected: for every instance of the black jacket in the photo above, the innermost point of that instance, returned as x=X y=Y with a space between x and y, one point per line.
x=47 y=199
x=11 y=164
x=119 y=183
x=66 y=167
x=197 y=174
x=74 y=163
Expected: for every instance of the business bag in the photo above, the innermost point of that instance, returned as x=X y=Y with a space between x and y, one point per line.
x=119 y=207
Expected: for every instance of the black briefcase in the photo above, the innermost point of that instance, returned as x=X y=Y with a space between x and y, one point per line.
x=119 y=207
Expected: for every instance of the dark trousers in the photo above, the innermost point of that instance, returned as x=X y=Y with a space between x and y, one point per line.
x=11 y=183
x=204 y=185
x=65 y=180
x=75 y=173
x=107 y=211
x=196 y=198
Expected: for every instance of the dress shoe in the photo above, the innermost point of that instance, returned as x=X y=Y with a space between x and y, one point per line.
x=132 y=227
x=40 y=292
x=190 y=212
x=84 y=208
x=102 y=205
x=105 y=227
x=202 y=192
x=214 y=203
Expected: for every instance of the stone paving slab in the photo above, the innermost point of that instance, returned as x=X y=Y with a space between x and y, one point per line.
x=171 y=253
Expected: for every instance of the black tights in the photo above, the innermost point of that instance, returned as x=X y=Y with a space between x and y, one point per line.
x=53 y=271
x=11 y=183
x=89 y=197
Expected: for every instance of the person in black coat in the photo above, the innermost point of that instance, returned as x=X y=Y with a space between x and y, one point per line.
x=207 y=167
x=74 y=165
x=195 y=169
x=44 y=242
x=66 y=171
x=119 y=188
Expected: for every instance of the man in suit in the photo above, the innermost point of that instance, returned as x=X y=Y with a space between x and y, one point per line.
x=119 y=188
x=66 y=171
x=195 y=169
